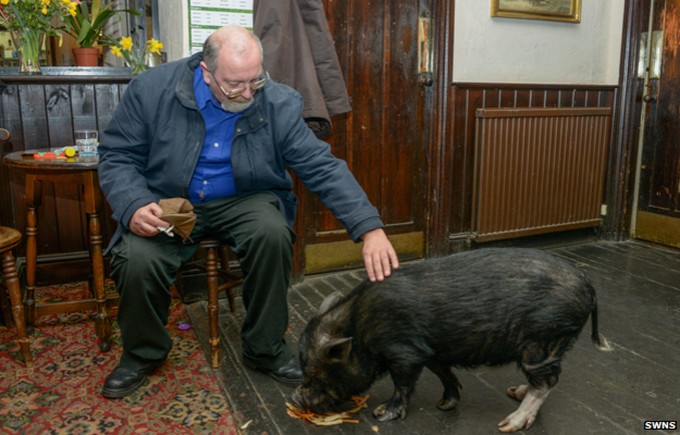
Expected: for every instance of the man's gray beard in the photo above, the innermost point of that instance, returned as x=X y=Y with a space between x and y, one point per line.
x=235 y=106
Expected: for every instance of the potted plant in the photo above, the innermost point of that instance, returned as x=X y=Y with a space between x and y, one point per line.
x=86 y=27
x=29 y=23
x=138 y=58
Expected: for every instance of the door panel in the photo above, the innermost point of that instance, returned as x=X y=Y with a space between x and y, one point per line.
x=658 y=217
x=383 y=138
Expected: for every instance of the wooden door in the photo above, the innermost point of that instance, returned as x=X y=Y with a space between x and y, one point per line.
x=383 y=139
x=658 y=211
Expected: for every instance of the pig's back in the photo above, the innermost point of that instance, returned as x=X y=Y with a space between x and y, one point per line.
x=488 y=273
x=478 y=307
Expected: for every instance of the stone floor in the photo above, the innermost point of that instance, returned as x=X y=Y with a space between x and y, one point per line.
x=638 y=287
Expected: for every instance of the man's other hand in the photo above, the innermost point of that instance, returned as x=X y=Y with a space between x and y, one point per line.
x=146 y=220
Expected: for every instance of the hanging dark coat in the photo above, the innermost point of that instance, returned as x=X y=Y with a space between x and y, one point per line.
x=299 y=51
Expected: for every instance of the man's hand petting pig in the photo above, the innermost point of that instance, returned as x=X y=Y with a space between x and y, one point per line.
x=379 y=255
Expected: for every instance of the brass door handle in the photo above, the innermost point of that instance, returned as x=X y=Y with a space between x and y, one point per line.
x=5 y=134
x=425 y=62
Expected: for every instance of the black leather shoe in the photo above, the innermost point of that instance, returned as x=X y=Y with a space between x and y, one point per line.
x=289 y=373
x=122 y=382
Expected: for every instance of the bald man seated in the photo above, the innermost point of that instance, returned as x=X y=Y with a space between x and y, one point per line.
x=215 y=129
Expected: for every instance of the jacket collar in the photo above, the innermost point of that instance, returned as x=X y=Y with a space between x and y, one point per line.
x=185 y=85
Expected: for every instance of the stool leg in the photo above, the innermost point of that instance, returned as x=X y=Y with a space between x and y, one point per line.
x=11 y=281
x=224 y=264
x=213 y=307
x=31 y=262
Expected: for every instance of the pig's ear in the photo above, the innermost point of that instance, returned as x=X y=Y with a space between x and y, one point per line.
x=329 y=302
x=336 y=349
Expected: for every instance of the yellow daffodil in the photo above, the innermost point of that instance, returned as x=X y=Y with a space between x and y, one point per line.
x=116 y=51
x=126 y=43
x=4 y=2
x=154 y=46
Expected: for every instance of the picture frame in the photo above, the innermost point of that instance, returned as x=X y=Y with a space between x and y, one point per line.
x=548 y=10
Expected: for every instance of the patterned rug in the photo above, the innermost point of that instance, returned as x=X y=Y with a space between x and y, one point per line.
x=60 y=393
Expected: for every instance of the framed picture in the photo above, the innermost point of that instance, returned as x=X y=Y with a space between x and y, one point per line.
x=551 y=10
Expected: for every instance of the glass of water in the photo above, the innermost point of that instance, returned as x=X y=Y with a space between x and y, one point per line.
x=86 y=142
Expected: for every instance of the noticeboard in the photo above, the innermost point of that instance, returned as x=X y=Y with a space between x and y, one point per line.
x=206 y=16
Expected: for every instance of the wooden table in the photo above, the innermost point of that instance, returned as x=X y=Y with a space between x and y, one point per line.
x=78 y=170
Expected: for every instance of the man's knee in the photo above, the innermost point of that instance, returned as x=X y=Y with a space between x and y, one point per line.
x=273 y=233
x=136 y=256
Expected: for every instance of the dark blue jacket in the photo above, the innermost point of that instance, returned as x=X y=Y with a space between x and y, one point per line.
x=151 y=146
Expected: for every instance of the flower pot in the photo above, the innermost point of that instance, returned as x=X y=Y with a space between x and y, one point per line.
x=86 y=56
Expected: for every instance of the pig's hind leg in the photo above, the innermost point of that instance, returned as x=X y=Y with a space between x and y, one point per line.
x=532 y=398
x=543 y=370
x=451 y=395
x=404 y=382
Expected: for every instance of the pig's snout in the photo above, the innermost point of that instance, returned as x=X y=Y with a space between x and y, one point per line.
x=307 y=398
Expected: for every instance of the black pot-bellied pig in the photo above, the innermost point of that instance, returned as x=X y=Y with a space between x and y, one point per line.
x=489 y=306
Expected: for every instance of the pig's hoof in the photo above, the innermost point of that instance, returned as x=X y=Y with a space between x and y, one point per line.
x=516 y=421
x=517 y=393
x=387 y=412
x=447 y=404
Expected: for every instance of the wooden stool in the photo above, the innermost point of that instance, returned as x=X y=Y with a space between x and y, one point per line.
x=216 y=254
x=9 y=239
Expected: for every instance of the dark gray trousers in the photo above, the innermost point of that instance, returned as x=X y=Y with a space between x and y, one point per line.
x=144 y=268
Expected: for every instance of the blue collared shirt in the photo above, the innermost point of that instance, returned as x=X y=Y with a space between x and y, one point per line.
x=213 y=177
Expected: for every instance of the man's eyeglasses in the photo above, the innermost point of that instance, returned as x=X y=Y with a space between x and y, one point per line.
x=240 y=88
